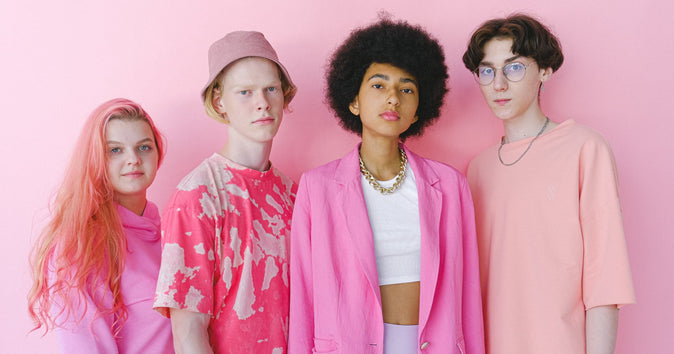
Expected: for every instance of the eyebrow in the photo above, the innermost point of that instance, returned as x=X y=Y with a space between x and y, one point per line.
x=385 y=77
x=109 y=142
x=511 y=59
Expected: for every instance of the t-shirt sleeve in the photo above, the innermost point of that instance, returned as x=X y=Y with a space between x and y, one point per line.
x=188 y=270
x=606 y=273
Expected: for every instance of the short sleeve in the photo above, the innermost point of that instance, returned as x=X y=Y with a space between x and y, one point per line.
x=606 y=273
x=188 y=270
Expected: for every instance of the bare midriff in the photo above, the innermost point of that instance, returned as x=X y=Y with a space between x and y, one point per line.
x=400 y=303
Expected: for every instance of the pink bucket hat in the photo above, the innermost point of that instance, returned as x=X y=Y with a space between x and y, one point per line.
x=242 y=44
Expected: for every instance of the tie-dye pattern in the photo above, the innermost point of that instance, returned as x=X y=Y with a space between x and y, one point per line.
x=225 y=253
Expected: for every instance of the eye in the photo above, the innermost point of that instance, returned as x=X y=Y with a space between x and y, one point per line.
x=485 y=71
x=407 y=90
x=115 y=150
x=271 y=89
x=378 y=86
x=515 y=67
x=244 y=92
x=144 y=148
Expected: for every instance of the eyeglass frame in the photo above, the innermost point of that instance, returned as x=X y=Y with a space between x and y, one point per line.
x=476 y=76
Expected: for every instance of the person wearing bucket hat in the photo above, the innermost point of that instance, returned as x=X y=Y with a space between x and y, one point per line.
x=224 y=272
x=383 y=248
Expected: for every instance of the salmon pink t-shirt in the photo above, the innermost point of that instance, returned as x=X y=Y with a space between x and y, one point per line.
x=225 y=253
x=550 y=239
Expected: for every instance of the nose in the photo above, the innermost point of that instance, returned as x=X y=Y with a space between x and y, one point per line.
x=133 y=157
x=500 y=81
x=393 y=98
x=262 y=102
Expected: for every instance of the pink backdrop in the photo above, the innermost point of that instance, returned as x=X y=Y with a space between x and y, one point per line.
x=61 y=59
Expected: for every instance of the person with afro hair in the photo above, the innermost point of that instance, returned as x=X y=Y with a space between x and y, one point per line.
x=552 y=249
x=383 y=249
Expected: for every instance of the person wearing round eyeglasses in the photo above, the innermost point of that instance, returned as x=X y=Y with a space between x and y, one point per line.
x=553 y=259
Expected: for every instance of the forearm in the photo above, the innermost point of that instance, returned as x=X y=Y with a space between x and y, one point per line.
x=190 y=332
x=601 y=327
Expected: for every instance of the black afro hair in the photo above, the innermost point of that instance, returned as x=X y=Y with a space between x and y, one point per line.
x=397 y=43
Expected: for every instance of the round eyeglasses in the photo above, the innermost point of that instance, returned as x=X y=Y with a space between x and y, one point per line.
x=515 y=71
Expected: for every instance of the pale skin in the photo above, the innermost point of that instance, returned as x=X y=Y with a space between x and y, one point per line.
x=132 y=161
x=386 y=103
x=251 y=102
x=518 y=107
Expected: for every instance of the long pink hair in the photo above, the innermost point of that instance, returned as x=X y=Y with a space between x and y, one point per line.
x=82 y=249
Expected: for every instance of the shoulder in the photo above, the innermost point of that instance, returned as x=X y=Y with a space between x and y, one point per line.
x=590 y=143
x=485 y=158
x=206 y=178
x=573 y=133
x=282 y=178
x=323 y=172
x=203 y=174
x=427 y=169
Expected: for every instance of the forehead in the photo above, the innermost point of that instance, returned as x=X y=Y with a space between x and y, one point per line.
x=251 y=69
x=387 y=72
x=498 y=50
x=123 y=129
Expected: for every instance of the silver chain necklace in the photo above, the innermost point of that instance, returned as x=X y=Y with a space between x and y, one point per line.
x=399 y=178
x=547 y=120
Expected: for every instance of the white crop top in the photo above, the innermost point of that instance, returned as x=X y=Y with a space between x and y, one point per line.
x=394 y=219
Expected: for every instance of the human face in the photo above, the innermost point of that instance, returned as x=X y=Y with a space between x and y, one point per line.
x=250 y=99
x=387 y=101
x=132 y=159
x=508 y=99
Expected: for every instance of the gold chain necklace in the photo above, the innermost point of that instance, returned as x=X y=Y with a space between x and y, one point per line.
x=399 y=178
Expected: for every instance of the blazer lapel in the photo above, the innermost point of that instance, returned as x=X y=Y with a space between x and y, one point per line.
x=356 y=218
x=430 y=208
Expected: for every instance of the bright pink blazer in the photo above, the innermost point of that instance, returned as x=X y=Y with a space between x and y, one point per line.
x=335 y=304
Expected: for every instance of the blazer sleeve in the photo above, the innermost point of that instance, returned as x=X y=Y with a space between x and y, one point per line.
x=301 y=331
x=471 y=312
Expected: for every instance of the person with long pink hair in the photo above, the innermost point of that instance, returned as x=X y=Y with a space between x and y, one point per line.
x=95 y=264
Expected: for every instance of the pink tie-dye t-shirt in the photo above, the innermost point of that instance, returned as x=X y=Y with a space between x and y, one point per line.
x=225 y=253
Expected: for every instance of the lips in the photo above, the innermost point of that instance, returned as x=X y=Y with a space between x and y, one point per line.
x=264 y=121
x=390 y=116
x=133 y=174
x=501 y=101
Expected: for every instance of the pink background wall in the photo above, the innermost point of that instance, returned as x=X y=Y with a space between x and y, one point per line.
x=58 y=60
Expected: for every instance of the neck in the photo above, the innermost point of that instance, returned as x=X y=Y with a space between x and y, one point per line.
x=523 y=127
x=381 y=158
x=135 y=203
x=253 y=156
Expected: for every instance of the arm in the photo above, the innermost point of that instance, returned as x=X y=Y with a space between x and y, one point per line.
x=301 y=334
x=82 y=331
x=185 y=289
x=190 y=332
x=472 y=295
x=601 y=327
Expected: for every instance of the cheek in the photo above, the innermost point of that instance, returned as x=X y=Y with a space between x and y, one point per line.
x=484 y=90
x=112 y=166
x=152 y=161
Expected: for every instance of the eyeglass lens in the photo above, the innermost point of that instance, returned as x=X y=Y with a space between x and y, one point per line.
x=514 y=72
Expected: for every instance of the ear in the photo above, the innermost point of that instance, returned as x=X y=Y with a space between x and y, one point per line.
x=216 y=101
x=545 y=74
x=353 y=107
x=416 y=118
x=218 y=105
